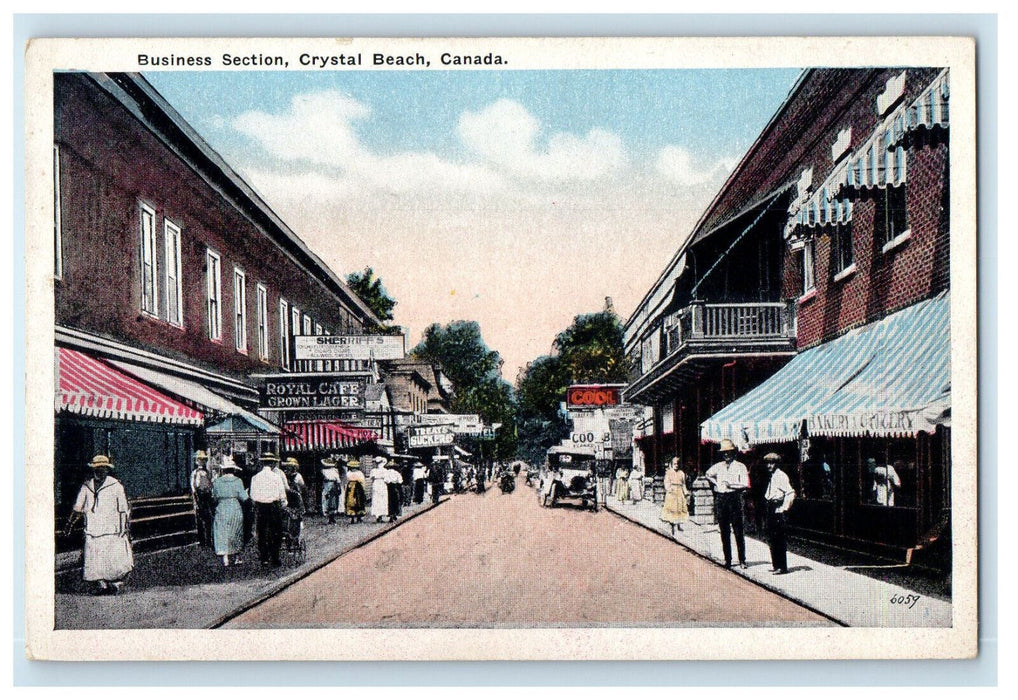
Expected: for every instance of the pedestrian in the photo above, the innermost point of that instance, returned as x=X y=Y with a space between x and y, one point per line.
x=107 y=556
x=886 y=482
x=636 y=484
x=291 y=467
x=331 y=488
x=676 y=507
x=354 y=499
x=379 y=492
x=228 y=525
x=201 y=495
x=268 y=491
x=479 y=479
x=622 y=484
x=394 y=489
x=436 y=477
x=419 y=482
x=406 y=471
x=779 y=496
x=729 y=479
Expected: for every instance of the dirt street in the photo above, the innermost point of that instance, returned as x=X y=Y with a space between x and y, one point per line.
x=497 y=560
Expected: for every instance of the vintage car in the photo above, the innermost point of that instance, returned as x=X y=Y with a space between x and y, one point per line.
x=570 y=476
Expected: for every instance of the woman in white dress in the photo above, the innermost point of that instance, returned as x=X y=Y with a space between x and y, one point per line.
x=636 y=484
x=379 y=490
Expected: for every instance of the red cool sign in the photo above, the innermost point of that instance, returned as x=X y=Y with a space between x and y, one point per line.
x=593 y=396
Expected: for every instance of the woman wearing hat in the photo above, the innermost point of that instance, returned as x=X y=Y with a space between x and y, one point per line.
x=354 y=499
x=331 y=486
x=676 y=507
x=380 y=491
x=108 y=557
x=228 y=524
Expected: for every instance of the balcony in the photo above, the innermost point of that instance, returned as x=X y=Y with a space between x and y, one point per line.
x=702 y=333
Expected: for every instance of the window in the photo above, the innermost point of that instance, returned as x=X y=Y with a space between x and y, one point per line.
x=262 y=301
x=213 y=294
x=808 y=270
x=841 y=249
x=307 y=325
x=284 y=334
x=294 y=320
x=58 y=242
x=149 y=285
x=174 y=291
x=239 y=310
x=891 y=218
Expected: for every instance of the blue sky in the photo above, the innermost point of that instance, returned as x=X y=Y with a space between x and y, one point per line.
x=518 y=199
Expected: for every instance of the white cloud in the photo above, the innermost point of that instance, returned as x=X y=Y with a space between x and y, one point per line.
x=676 y=164
x=505 y=134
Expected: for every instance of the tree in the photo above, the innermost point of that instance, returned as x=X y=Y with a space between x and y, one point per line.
x=540 y=388
x=592 y=349
x=372 y=292
x=474 y=369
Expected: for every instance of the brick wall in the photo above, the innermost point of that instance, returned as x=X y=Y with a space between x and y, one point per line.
x=109 y=164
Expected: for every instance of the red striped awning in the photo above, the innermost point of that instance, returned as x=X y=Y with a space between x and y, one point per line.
x=314 y=435
x=90 y=387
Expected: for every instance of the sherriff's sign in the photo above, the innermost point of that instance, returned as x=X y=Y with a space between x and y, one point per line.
x=349 y=347
x=314 y=394
x=430 y=436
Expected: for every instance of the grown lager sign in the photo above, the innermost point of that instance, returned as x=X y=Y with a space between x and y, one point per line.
x=312 y=394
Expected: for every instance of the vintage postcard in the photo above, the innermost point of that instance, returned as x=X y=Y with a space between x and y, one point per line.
x=501 y=349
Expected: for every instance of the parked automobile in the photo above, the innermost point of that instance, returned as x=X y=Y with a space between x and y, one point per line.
x=570 y=476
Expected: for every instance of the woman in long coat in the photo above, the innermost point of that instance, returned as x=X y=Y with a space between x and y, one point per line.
x=354 y=499
x=380 y=491
x=676 y=507
x=228 y=523
x=107 y=557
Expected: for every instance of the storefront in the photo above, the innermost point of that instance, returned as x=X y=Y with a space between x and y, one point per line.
x=863 y=422
x=148 y=435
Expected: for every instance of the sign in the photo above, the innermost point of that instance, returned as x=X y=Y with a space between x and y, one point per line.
x=429 y=436
x=460 y=423
x=593 y=395
x=313 y=394
x=349 y=347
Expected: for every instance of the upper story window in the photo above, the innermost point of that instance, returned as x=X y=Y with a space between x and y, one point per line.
x=841 y=146
x=294 y=320
x=240 y=310
x=58 y=239
x=891 y=217
x=174 y=288
x=893 y=92
x=214 y=294
x=284 y=334
x=262 y=307
x=808 y=268
x=149 y=271
x=842 y=256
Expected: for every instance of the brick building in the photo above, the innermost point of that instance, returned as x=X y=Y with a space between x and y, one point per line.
x=842 y=203
x=174 y=283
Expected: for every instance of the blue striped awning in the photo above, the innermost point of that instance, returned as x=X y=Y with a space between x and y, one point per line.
x=891 y=378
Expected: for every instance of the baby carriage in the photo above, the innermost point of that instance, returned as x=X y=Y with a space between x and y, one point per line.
x=293 y=547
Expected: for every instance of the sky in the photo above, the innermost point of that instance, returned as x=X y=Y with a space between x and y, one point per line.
x=517 y=199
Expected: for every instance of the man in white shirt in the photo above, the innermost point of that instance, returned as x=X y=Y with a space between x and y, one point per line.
x=729 y=479
x=268 y=491
x=885 y=482
x=201 y=493
x=779 y=497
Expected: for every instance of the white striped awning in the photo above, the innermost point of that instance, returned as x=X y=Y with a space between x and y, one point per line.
x=891 y=378
x=90 y=387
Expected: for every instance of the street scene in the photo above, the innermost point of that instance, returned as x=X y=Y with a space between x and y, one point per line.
x=502 y=349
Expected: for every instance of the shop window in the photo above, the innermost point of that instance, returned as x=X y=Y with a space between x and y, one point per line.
x=240 y=310
x=842 y=258
x=818 y=478
x=889 y=476
x=213 y=294
x=174 y=291
x=262 y=307
x=149 y=284
x=891 y=220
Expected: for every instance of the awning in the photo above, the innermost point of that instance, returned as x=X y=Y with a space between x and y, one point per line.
x=891 y=378
x=314 y=435
x=198 y=394
x=91 y=387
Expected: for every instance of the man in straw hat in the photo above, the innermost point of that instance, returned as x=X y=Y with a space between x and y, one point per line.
x=779 y=497
x=729 y=479
x=268 y=491
x=331 y=488
x=108 y=557
x=201 y=493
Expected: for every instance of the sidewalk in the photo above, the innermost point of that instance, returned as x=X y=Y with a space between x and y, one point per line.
x=189 y=588
x=847 y=597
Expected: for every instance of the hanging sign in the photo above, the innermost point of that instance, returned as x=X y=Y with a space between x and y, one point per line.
x=315 y=394
x=593 y=395
x=349 y=347
x=429 y=436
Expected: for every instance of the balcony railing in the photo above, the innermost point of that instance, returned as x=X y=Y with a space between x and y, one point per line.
x=704 y=328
